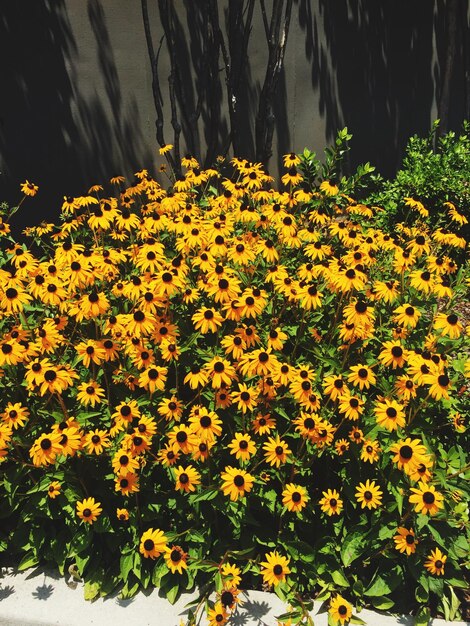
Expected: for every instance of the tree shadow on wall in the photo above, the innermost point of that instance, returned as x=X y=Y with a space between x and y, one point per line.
x=374 y=72
x=37 y=129
x=49 y=133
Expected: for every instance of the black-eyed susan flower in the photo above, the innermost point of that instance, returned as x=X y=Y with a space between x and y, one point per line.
x=405 y=388
x=340 y=610
x=369 y=494
x=236 y=482
x=153 y=378
x=197 y=377
x=176 y=559
x=220 y=371
x=370 y=451
x=242 y=446
x=45 y=449
x=245 y=398
x=408 y=454
x=407 y=315
x=405 y=540
x=13 y=300
x=449 y=325
x=435 y=562
x=329 y=187
x=205 y=424
x=275 y=568
x=276 y=451
x=54 y=489
x=294 y=497
x=171 y=408
x=233 y=345
x=183 y=438
x=123 y=462
x=71 y=440
x=331 y=503
x=126 y=483
x=15 y=415
x=231 y=574
x=351 y=406
x=334 y=386
x=263 y=423
x=152 y=543
x=356 y=435
x=90 y=393
x=217 y=615
x=88 y=510
x=122 y=515
x=29 y=189
x=389 y=414
x=168 y=456
x=426 y=499
x=228 y=597
x=362 y=376
x=207 y=320
x=341 y=446
x=440 y=383
x=393 y=354
x=96 y=441
x=186 y=478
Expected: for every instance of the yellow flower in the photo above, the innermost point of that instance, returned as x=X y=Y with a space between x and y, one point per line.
x=435 y=562
x=405 y=540
x=89 y=510
x=152 y=543
x=54 y=489
x=166 y=148
x=294 y=497
x=340 y=610
x=236 y=482
x=176 y=558
x=29 y=189
x=242 y=446
x=426 y=499
x=275 y=568
x=331 y=502
x=369 y=494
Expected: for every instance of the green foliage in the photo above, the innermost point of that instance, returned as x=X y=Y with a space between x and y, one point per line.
x=435 y=170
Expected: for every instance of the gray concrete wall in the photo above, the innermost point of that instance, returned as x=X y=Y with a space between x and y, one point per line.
x=77 y=104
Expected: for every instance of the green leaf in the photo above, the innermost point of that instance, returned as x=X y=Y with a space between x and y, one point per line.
x=339 y=578
x=357 y=620
x=421 y=594
x=436 y=585
x=172 y=593
x=353 y=547
x=382 y=603
x=423 y=617
x=290 y=615
x=81 y=540
x=207 y=494
x=383 y=584
x=29 y=560
x=91 y=590
x=126 y=563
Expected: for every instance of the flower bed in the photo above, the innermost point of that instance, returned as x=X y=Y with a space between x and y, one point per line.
x=227 y=386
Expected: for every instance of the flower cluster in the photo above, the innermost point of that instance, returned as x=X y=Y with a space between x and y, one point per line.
x=223 y=378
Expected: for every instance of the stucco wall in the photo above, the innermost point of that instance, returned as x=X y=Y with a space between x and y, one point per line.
x=77 y=102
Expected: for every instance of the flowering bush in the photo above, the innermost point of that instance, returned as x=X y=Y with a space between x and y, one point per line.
x=229 y=386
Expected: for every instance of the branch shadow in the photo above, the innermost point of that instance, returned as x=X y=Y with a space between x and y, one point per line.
x=49 y=132
x=374 y=72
